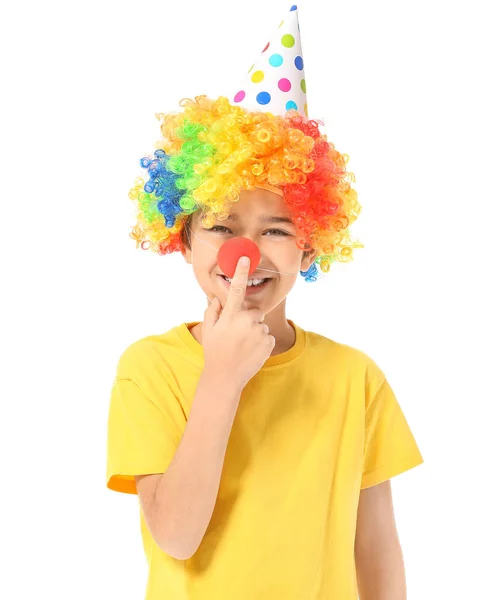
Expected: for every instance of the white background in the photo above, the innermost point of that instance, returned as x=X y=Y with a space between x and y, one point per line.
x=405 y=90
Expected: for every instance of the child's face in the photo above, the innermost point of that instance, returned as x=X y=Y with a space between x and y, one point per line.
x=276 y=241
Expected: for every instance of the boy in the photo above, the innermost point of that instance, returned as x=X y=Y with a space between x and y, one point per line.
x=261 y=453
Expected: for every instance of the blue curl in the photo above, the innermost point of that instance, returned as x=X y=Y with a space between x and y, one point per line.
x=311 y=274
x=162 y=184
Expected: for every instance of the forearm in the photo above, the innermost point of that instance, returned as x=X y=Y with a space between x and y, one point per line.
x=186 y=493
x=381 y=573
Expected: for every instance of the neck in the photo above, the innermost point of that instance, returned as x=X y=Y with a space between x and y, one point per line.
x=280 y=329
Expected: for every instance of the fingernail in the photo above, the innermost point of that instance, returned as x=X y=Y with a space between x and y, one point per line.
x=244 y=261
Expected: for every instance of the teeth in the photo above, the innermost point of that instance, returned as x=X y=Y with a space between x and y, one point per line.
x=250 y=282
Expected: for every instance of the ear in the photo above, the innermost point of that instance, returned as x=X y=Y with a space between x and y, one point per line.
x=308 y=260
x=186 y=239
x=187 y=254
x=185 y=250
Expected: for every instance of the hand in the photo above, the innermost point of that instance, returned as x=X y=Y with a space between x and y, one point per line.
x=236 y=343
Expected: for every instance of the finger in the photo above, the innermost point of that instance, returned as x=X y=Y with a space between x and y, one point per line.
x=236 y=292
x=211 y=315
x=256 y=314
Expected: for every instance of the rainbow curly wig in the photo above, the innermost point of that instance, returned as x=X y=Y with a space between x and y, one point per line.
x=212 y=150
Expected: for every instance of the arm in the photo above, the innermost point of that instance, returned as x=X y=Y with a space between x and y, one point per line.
x=378 y=555
x=179 y=503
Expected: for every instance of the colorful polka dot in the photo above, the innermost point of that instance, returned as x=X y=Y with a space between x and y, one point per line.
x=239 y=96
x=306 y=110
x=263 y=98
x=276 y=60
x=280 y=24
x=284 y=88
x=284 y=85
x=288 y=40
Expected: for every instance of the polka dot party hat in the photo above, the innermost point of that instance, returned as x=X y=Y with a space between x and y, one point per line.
x=276 y=82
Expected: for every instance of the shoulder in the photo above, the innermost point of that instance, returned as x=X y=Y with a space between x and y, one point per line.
x=341 y=352
x=346 y=360
x=143 y=353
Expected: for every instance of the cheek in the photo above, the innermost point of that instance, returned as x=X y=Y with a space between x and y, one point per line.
x=203 y=263
x=276 y=246
x=289 y=256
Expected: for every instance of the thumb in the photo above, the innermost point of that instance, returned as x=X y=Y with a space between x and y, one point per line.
x=212 y=314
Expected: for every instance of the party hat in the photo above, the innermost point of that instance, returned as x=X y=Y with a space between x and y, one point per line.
x=276 y=81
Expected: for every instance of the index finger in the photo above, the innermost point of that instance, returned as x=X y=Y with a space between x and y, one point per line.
x=236 y=292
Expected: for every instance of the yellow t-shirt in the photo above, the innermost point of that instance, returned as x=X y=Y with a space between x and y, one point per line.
x=314 y=426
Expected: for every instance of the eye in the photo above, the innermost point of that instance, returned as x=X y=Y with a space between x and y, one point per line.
x=216 y=227
x=223 y=229
x=278 y=232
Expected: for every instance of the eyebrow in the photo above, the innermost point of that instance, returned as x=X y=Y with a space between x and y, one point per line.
x=265 y=219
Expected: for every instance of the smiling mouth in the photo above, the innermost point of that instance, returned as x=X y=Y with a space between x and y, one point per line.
x=252 y=283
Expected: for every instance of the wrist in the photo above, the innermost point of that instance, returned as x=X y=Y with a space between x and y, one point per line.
x=221 y=381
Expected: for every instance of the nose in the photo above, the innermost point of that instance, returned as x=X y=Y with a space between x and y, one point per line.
x=233 y=249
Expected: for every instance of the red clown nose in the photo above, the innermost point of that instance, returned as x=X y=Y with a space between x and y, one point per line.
x=231 y=251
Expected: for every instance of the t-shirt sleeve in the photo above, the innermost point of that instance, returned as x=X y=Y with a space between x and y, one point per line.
x=389 y=447
x=143 y=435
